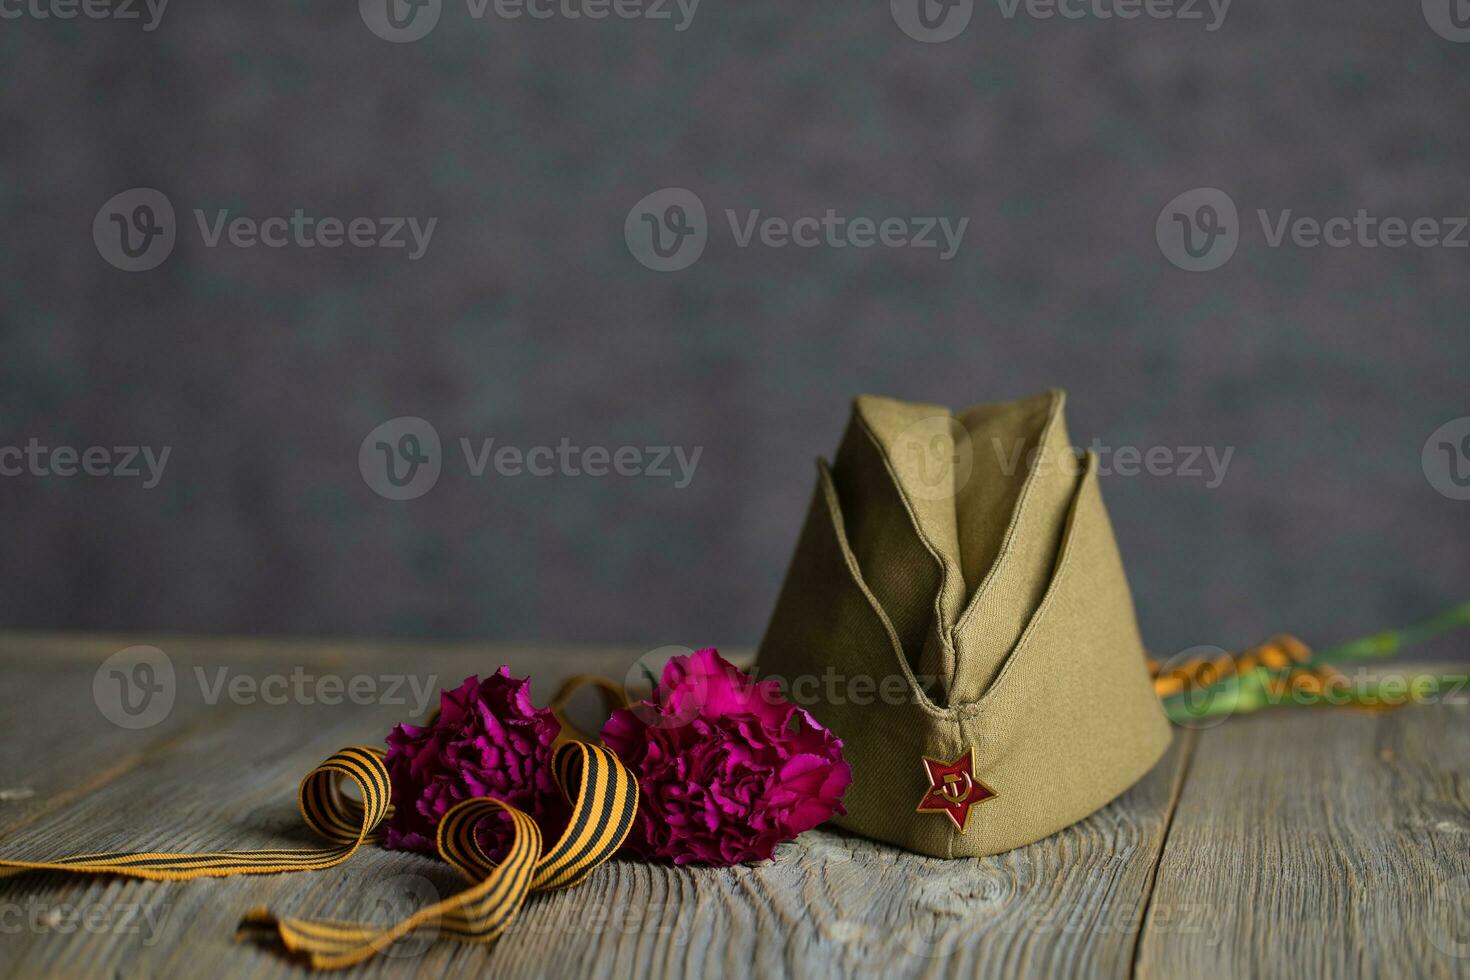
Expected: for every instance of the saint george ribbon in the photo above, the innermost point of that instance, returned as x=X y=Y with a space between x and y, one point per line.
x=602 y=792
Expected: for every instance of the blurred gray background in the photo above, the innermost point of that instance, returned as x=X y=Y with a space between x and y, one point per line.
x=529 y=320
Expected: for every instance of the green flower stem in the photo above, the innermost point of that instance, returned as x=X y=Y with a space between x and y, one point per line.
x=1390 y=642
x=1248 y=693
x=1251 y=696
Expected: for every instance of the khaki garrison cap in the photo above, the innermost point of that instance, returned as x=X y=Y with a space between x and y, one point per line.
x=964 y=567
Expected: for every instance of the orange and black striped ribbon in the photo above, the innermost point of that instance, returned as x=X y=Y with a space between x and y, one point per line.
x=604 y=798
x=1284 y=654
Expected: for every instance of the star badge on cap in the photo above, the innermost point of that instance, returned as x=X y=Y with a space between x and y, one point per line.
x=953 y=788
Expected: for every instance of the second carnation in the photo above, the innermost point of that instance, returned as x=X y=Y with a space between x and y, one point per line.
x=727 y=768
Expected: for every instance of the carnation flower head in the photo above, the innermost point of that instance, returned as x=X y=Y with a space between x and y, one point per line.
x=727 y=768
x=487 y=740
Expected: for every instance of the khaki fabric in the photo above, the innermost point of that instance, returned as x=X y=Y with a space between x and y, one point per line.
x=957 y=586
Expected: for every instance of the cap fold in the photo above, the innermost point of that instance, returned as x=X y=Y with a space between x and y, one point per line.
x=957 y=589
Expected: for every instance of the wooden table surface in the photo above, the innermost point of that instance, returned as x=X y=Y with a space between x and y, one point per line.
x=1304 y=843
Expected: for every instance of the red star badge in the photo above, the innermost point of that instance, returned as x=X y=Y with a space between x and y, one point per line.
x=953 y=788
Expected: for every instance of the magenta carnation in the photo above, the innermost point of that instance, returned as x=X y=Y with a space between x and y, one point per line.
x=727 y=767
x=487 y=741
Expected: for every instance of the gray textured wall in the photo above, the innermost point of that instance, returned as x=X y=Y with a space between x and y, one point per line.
x=528 y=319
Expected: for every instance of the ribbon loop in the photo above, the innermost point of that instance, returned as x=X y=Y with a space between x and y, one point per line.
x=604 y=798
x=333 y=814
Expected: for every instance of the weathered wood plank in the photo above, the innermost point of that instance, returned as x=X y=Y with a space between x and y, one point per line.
x=224 y=775
x=1319 y=843
x=55 y=742
x=216 y=772
x=834 y=905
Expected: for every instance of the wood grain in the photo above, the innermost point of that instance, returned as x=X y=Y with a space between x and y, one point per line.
x=1320 y=843
x=1212 y=865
